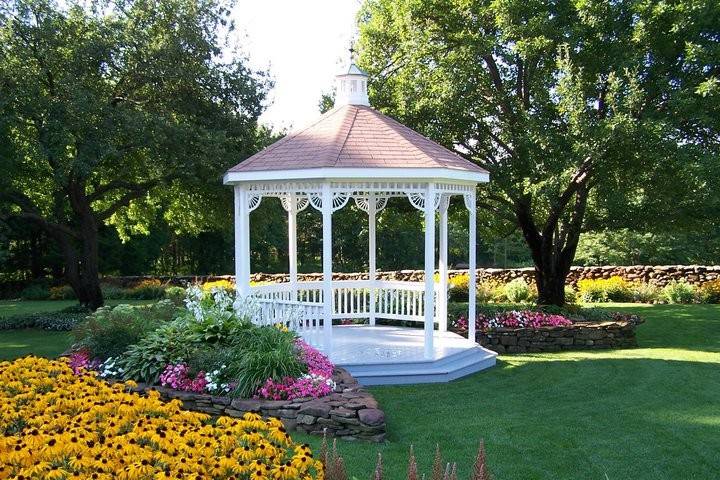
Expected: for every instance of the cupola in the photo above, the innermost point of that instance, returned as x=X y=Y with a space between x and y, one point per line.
x=352 y=86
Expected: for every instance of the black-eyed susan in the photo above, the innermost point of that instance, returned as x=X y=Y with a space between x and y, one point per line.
x=58 y=425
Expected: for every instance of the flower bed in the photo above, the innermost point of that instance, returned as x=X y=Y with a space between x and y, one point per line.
x=206 y=347
x=56 y=424
x=349 y=412
x=527 y=331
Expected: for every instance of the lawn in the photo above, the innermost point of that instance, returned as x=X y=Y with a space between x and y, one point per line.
x=646 y=413
x=16 y=343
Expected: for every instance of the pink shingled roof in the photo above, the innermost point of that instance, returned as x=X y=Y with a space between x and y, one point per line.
x=354 y=136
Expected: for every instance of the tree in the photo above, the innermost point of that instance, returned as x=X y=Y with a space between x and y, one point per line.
x=570 y=105
x=110 y=111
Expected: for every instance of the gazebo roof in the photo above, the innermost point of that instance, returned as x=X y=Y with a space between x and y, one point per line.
x=352 y=137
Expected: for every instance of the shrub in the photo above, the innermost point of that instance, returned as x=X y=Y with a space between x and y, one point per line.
x=485 y=291
x=613 y=289
x=175 y=294
x=709 y=292
x=149 y=289
x=679 y=292
x=110 y=330
x=40 y=397
x=644 y=292
x=226 y=285
x=62 y=292
x=458 y=288
x=570 y=294
x=113 y=292
x=517 y=291
x=35 y=291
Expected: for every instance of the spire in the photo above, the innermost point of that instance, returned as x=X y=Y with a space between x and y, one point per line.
x=352 y=85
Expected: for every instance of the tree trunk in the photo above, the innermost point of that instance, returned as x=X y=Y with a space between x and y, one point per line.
x=82 y=268
x=551 y=286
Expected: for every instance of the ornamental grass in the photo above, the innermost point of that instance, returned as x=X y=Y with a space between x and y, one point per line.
x=58 y=425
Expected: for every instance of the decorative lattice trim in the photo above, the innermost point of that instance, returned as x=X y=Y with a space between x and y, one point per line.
x=362 y=201
x=301 y=202
x=253 y=201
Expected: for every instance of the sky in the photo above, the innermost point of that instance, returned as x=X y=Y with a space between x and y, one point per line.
x=303 y=44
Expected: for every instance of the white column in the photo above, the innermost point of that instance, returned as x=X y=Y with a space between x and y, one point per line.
x=429 y=268
x=472 y=210
x=327 y=266
x=292 y=243
x=242 y=241
x=372 y=214
x=443 y=267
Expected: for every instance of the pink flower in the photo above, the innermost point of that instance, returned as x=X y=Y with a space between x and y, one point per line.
x=80 y=361
x=178 y=377
x=513 y=319
x=317 y=363
x=309 y=385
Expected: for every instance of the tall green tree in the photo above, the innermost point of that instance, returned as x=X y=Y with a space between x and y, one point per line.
x=110 y=111
x=571 y=105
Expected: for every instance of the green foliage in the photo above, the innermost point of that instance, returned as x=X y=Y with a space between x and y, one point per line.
x=175 y=294
x=216 y=327
x=566 y=105
x=62 y=292
x=35 y=292
x=114 y=113
x=645 y=292
x=111 y=330
x=264 y=352
x=64 y=320
x=145 y=360
x=679 y=292
x=627 y=247
x=517 y=291
x=570 y=294
x=709 y=292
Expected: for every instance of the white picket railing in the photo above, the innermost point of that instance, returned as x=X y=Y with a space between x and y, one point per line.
x=301 y=317
x=351 y=299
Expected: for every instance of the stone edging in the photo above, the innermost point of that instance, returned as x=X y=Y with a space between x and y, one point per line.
x=349 y=413
x=579 y=336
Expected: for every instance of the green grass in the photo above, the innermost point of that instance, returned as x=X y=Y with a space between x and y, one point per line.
x=17 y=343
x=646 y=413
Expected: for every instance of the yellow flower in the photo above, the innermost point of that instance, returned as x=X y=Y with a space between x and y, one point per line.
x=66 y=426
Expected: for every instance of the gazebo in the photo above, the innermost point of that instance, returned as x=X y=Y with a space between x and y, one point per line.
x=354 y=152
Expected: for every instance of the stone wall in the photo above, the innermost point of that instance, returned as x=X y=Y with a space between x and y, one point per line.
x=350 y=412
x=579 y=336
x=659 y=275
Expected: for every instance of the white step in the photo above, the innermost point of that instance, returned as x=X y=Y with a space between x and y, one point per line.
x=448 y=368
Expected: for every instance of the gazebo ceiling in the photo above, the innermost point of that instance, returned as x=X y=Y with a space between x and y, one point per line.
x=355 y=141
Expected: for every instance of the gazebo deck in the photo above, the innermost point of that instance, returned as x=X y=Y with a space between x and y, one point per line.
x=387 y=355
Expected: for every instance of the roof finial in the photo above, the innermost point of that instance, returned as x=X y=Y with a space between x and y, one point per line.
x=352 y=50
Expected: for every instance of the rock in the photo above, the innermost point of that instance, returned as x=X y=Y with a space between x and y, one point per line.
x=371 y=416
x=305 y=419
x=316 y=409
x=245 y=405
x=342 y=412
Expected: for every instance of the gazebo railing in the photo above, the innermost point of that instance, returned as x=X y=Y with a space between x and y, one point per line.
x=351 y=299
x=302 y=317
